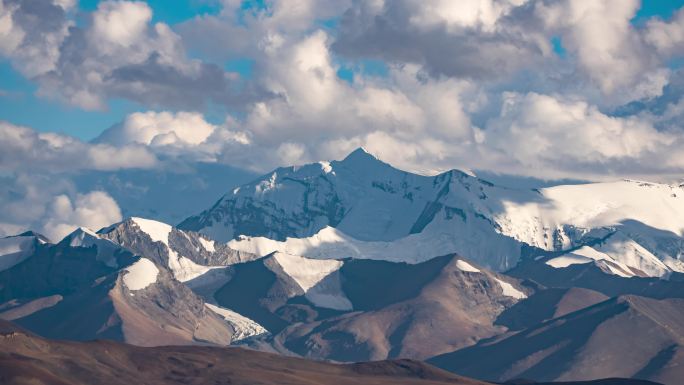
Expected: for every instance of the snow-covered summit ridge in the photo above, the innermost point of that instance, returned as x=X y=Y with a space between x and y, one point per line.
x=369 y=201
x=158 y=231
x=85 y=237
x=15 y=249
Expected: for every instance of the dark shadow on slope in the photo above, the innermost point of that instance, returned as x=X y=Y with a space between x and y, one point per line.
x=546 y=304
x=56 y=269
x=658 y=362
x=244 y=293
x=371 y=285
x=589 y=276
x=84 y=315
x=553 y=341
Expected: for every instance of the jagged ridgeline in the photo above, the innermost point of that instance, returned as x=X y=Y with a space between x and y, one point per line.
x=354 y=260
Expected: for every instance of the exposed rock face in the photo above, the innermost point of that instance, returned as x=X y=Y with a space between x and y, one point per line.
x=77 y=290
x=181 y=251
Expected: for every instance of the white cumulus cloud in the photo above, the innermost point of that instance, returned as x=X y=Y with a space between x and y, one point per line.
x=94 y=210
x=23 y=148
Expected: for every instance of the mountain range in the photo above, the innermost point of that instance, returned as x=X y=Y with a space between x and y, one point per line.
x=354 y=260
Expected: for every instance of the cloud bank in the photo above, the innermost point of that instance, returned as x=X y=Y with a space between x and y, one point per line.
x=543 y=88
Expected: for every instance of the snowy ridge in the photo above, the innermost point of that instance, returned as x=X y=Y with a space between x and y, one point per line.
x=618 y=255
x=140 y=275
x=243 y=326
x=589 y=206
x=465 y=266
x=331 y=243
x=14 y=250
x=183 y=268
x=361 y=207
x=158 y=231
x=106 y=249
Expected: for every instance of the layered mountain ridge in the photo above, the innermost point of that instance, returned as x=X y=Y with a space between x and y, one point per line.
x=355 y=260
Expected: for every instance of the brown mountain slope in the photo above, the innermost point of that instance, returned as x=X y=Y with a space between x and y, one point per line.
x=626 y=336
x=77 y=290
x=453 y=310
x=547 y=304
x=28 y=359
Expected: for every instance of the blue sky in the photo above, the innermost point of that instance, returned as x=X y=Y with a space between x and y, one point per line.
x=661 y=8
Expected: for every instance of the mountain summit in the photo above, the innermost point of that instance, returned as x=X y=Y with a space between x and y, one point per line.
x=626 y=228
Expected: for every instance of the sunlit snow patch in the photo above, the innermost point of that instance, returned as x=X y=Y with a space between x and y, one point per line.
x=465 y=266
x=106 y=249
x=207 y=244
x=509 y=290
x=308 y=274
x=140 y=275
x=158 y=231
x=326 y=167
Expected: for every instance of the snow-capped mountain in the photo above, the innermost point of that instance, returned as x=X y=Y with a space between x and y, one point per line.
x=187 y=255
x=147 y=283
x=355 y=260
x=200 y=263
x=363 y=208
x=87 y=286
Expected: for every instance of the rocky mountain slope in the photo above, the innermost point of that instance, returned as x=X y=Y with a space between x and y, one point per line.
x=87 y=287
x=301 y=301
x=25 y=358
x=453 y=309
x=626 y=336
x=295 y=305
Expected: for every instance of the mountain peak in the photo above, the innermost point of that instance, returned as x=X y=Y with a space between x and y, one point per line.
x=80 y=232
x=30 y=233
x=361 y=158
x=358 y=154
